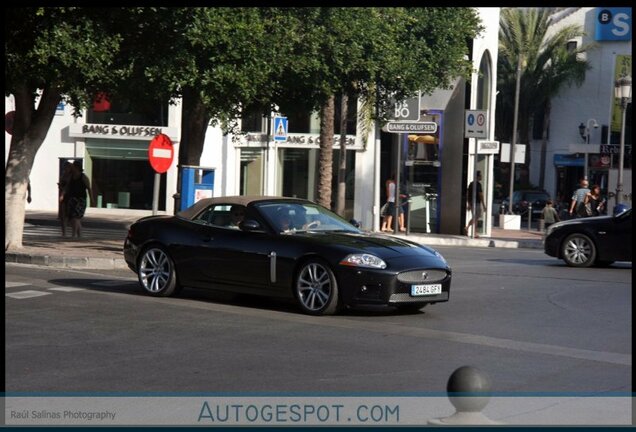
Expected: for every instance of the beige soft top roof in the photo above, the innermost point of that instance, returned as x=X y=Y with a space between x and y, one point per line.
x=245 y=200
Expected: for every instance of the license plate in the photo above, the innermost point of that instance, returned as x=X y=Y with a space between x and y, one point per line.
x=423 y=290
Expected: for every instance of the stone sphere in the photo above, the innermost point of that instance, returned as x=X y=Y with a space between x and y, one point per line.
x=474 y=386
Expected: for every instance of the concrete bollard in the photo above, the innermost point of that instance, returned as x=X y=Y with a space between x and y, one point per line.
x=463 y=388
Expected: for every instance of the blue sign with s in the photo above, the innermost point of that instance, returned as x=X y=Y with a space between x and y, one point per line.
x=613 y=24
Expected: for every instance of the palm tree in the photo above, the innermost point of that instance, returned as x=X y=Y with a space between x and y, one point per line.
x=548 y=66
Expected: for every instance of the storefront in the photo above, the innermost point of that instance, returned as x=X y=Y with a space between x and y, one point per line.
x=116 y=162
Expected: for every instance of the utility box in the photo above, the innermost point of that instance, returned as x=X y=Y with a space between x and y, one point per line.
x=196 y=183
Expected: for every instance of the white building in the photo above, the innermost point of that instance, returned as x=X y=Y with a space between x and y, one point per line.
x=113 y=145
x=592 y=103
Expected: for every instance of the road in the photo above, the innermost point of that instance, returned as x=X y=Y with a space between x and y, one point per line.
x=529 y=322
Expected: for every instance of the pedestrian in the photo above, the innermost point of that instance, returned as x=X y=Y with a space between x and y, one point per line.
x=593 y=202
x=480 y=204
x=62 y=184
x=28 y=196
x=549 y=214
x=390 y=198
x=75 y=191
x=577 y=203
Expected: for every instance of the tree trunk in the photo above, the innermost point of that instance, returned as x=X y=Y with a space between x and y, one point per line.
x=524 y=135
x=342 y=166
x=326 y=152
x=30 y=128
x=194 y=124
x=544 y=142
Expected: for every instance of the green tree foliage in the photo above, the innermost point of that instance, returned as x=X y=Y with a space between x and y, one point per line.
x=378 y=54
x=218 y=62
x=52 y=54
x=547 y=68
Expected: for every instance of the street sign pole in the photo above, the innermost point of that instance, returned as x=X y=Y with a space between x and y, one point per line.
x=396 y=210
x=155 y=194
x=160 y=156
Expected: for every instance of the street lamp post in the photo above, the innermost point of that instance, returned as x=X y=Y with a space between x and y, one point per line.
x=623 y=91
x=584 y=130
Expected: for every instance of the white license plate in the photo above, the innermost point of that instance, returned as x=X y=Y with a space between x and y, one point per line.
x=422 y=290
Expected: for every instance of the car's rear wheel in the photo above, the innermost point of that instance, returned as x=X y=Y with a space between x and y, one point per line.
x=316 y=288
x=156 y=272
x=578 y=250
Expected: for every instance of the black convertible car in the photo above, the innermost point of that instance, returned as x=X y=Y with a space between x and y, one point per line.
x=599 y=240
x=283 y=247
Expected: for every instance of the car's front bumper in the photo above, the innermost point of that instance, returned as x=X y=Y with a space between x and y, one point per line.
x=377 y=287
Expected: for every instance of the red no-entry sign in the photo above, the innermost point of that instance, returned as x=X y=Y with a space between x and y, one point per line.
x=160 y=153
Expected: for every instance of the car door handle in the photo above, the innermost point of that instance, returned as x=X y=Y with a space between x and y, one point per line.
x=207 y=238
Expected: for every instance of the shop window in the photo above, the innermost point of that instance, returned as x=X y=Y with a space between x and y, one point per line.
x=122 y=183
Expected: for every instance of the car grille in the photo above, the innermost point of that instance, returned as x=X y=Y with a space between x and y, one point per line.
x=421 y=276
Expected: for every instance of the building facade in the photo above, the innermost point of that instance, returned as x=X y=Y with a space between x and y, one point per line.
x=587 y=119
x=435 y=166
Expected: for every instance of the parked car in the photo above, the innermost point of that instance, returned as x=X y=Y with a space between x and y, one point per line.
x=599 y=240
x=284 y=247
x=521 y=200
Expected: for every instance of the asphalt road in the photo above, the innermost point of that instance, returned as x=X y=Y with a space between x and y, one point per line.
x=526 y=320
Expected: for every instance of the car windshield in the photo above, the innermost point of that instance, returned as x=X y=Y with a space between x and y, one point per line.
x=292 y=217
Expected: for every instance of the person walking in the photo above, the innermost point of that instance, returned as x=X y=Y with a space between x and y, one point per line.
x=577 y=203
x=480 y=204
x=593 y=202
x=62 y=184
x=390 y=198
x=28 y=196
x=549 y=214
x=75 y=191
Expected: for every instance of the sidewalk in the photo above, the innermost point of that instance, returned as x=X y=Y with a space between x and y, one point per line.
x=103 y=237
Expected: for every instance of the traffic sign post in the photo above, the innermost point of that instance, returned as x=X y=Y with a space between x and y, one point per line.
x=475 y=126
x=280 y=129
x=160 y=156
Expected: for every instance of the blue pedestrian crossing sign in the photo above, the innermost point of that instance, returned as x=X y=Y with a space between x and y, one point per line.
x=280 y=129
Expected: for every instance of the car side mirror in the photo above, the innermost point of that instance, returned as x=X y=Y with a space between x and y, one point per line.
x=250 y=225
x=355 y=223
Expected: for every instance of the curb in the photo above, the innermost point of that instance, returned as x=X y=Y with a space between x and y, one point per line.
x=480 y=242
x=68 y=262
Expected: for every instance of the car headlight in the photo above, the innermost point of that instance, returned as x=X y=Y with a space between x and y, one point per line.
x=363 y=260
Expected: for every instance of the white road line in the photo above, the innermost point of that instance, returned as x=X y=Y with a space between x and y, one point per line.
x=14 y=284
x=27 y=294
x=66 y=289
x=418 y=332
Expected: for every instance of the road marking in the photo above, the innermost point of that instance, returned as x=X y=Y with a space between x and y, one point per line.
x=66 y=289
x=27 y=294
x=386 y=328
x=14 y=284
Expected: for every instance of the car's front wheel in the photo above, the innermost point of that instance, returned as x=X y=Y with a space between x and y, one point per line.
x=156 y=272
x=316 y=288
x=578 y=250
